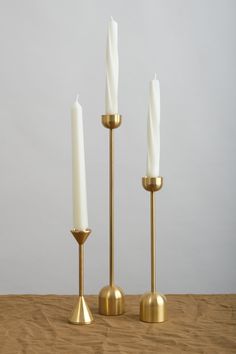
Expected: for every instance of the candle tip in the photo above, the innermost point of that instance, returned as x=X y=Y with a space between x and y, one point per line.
x=77 y=98
x=112 y=20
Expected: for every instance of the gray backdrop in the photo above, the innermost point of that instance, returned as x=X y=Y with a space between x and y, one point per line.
x=50 y=50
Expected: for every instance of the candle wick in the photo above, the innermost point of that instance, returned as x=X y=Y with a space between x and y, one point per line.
x=155 y=76
x=77 y=98
x=112 y=19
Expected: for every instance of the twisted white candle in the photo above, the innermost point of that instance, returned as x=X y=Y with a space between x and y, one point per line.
x=80 y=214
x=153 y=129
x=112 y=69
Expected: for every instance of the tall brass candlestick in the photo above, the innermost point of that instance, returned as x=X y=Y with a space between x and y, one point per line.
x=153 y=307
x=111 y=297
x=81 y=314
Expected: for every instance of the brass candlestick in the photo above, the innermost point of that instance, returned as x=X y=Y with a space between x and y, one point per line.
x=111 y=297
x=153 y=307
x=81 y=314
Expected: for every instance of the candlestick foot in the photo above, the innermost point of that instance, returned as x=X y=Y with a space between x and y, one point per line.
x=81 y=314
x=111 y=301
x=153 y=307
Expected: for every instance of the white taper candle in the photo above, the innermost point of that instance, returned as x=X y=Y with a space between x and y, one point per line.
x=112 y=69
x=153 y=130
x=80 y=213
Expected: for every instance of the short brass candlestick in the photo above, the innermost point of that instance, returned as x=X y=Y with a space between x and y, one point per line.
x=111 y=297
x=81 y=314
x=153 y=307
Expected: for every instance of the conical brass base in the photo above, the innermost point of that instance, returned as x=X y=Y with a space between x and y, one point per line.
x=81 y=314
x=111 y=301
x=153 y=307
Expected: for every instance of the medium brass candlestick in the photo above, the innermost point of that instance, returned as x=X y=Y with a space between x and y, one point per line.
x=153 y=307
x=81 y=314
x=111 y=297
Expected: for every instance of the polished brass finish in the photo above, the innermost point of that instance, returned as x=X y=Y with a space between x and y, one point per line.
x=153 y=243
x=111 y=301
x=152 y=184
x=81 y=313
x=111 y=204
x=111 y=121
x=81 y=236
x=111 y=298
x=153 y=306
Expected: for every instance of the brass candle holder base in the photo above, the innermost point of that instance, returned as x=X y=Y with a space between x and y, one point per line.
x=111 y=301
x=81 y=314
x=153 y=305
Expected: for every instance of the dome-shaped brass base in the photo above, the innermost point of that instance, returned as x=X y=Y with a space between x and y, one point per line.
x=81 y=314
x=153 y=307
x=111 y=301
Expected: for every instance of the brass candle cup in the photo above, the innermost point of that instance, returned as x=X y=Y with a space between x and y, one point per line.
x=152 y=184
x=153 y=305
x=81 y=314
x=111 y=297
x=111 y=121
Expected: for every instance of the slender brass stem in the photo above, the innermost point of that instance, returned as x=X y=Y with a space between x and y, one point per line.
x=111 y=203
x=81 y=270
x=153 y=242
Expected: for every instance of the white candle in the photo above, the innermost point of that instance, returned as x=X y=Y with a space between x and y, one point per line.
x=112 y=68
x=153 y=130
x=80 y=214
